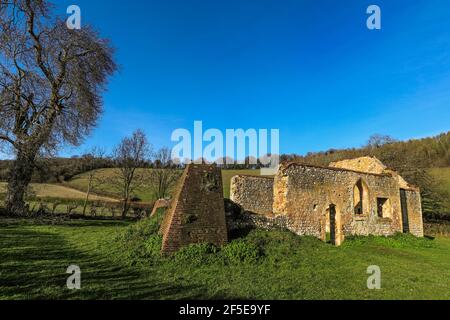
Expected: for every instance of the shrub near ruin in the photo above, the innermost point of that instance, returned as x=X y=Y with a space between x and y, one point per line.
x=197 y=254
x=141 y=241
x=141 y=245
x=241 y=251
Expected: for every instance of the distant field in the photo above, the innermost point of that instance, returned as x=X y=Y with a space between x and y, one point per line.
x=442 y=176
x=44 y=190
x=144 y=192
x=107 y=186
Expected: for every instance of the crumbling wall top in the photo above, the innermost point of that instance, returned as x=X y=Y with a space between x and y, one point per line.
x=362 y=164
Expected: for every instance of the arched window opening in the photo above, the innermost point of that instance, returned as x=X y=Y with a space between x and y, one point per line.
x=360 y=198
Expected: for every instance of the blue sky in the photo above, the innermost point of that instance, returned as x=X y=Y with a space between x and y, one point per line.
x=309 y=68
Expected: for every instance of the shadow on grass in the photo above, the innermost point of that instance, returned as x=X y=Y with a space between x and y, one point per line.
x=33 y=265
x=14 y=222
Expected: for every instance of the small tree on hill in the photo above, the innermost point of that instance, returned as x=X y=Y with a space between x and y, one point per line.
x=163 y=175
x=93 y=177
x=130 y=155
x=378 y=140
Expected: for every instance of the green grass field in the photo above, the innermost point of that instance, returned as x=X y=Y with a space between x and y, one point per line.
x=34 y=258
x=58 y=191
x=144 y=192
x=108 y=186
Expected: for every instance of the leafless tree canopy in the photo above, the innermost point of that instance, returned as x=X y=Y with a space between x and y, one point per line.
x=129 y=155
x=51 y=82
x=378 y=140
x=164 y=174
x=51 y=77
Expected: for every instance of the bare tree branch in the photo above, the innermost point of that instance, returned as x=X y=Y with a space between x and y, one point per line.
x=51 y=82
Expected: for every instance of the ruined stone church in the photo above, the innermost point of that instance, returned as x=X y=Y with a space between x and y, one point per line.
x=351 y=197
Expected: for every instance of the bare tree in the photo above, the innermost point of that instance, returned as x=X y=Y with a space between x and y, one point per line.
x=163 y=175
x=130 y=155
x=51 y=81
x=378 y=140
x=93 y=176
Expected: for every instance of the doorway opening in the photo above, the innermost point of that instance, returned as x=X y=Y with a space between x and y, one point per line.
x=404 y=205
x=331 y=225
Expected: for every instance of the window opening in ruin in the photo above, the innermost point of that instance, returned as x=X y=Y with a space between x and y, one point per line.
x=384 y=208
x=360 y=198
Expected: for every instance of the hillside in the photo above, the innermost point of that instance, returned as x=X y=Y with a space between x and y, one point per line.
x=442 y=178
x=144 y=192
x=432 y=152
x=57 y=191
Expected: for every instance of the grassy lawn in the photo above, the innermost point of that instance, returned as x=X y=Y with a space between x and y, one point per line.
x=34 y=258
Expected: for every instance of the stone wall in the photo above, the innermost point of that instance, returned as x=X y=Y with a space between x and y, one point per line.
x=414 y=212
x=307 y=195
x=254 y=194
x=249 y=220
x=239 y=220
x=196 y=213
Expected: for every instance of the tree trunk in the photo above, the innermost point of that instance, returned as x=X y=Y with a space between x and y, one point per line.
x=126 y=196
x=86 y=200
x=19 y=178
x=125 y=208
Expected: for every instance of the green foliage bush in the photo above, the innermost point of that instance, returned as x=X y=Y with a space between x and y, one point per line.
x=197 y=254
x=141 y=244
x=241 y=251
x=144 y=228
x=153 y=246
x=437 y=228
x=141 y=241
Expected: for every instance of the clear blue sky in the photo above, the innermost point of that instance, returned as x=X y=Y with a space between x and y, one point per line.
x=309 y=68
